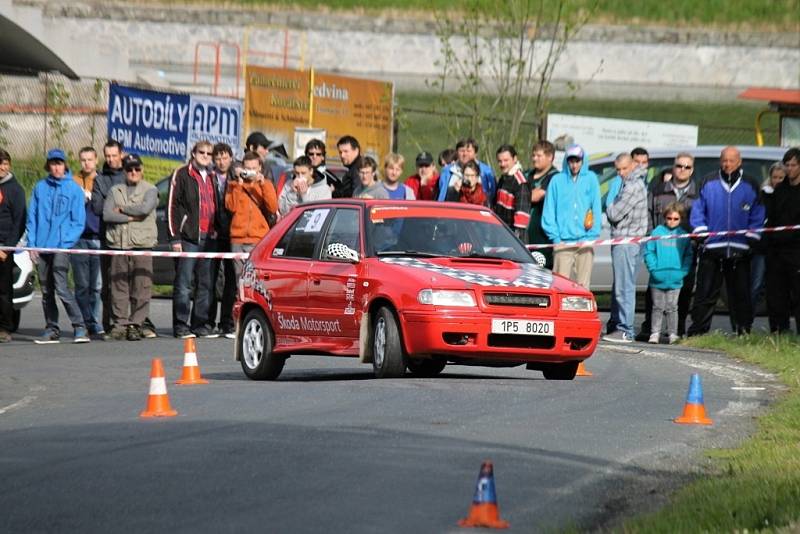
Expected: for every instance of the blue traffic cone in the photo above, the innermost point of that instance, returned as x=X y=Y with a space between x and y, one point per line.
x=484 y=511
x=694 y=411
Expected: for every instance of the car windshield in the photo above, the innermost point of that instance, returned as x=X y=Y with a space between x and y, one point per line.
x=442 y=233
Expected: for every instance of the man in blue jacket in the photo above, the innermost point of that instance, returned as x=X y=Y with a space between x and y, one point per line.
x=728 y=200
x=56 y=219
x=572 y=213
x=467 y=150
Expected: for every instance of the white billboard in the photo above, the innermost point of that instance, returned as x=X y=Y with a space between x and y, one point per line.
x=600 y=135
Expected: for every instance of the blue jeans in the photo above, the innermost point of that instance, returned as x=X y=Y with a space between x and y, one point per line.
x=625 y=262
x=53 y=269
x=88 y=283
x=185 y=315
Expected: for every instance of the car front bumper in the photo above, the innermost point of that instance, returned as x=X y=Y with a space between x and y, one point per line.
x=469 y=337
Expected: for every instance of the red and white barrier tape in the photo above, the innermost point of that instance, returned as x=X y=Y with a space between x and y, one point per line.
x=152 y=253
x=245 y=255
x=642 y=239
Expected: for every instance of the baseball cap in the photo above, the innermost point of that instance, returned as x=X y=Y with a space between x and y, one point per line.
x=574 y=151
x=130 y=161
x=424 y=158
x=56 y=154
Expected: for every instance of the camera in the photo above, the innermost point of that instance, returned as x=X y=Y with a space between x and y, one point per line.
x=248 y=175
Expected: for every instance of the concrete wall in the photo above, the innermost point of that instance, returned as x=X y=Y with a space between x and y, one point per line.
x=605 y=61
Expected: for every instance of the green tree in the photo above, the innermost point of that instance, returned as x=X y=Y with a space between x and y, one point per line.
x=497 y=64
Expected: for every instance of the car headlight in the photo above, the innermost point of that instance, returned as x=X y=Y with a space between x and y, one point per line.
x=443 y=297
x=580 y=304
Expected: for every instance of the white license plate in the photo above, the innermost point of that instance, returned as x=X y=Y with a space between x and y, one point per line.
x=523 y=327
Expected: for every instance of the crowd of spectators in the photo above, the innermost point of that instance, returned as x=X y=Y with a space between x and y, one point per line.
x=218 y=204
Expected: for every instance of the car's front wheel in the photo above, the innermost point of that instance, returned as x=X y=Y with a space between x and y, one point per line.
x=426 y=367
x=255 y=346
x=560 y=371
x=388 y=359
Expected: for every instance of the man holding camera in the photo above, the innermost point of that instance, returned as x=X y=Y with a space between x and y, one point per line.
x=251 y=200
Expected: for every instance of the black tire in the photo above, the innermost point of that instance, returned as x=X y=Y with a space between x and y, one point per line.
x=560 y=371
x=426 y=368
x=255 y=346
x=388 y=358
x=15 y=318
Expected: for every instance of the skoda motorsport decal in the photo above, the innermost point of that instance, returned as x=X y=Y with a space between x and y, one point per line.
x=532 y=276
x=305 y=324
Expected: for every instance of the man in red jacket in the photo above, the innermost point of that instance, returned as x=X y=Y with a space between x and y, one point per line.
x=424 y=184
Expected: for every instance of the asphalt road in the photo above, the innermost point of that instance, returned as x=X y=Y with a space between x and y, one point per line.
x=327 y=448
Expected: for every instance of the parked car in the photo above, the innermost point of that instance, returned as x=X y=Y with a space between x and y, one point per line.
x=407 y=285
x=22 y=274
x=755 y=160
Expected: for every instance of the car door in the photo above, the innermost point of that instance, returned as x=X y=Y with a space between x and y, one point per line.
x=334 y=283
x=285 y=275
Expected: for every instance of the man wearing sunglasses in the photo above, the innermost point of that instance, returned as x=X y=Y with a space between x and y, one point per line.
x=130 y=216
x=192 y=226
x=680 y=188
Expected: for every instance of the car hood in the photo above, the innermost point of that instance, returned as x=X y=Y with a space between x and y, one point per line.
x=459 y=273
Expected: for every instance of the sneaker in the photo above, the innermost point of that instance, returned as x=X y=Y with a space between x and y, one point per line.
x=618 y=337
x=133 y=333
x=81 y=336
x=674 y=338
x=5 y=337
x=229 y=334
x=48 y=337
x=148 y=329
x=184 y=334
x=99 y=335
x=206 y=333
x=118 y=333
x=654 y=338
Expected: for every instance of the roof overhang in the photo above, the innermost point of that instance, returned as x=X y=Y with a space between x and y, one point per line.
x=23 y=53
x=782 y=97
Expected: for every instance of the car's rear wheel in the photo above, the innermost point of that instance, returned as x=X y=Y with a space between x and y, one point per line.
x=255 y=345
x=560 y=371
x=15 y=318
x=426 y=367
x=388 y=360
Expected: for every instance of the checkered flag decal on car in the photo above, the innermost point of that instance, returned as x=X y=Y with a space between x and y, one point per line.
x=532 y=276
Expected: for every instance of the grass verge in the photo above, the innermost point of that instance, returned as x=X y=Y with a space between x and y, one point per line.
x=757 y=485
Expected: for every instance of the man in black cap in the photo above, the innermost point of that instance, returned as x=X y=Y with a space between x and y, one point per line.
x=424 y=184
x=257 y=142
x=130 y=216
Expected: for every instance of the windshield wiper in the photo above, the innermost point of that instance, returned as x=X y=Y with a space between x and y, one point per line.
x=408 y=253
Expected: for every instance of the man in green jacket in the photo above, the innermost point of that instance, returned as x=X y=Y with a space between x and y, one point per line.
x=130 y=216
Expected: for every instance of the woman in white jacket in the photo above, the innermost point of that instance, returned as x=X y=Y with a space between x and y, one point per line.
x=303 y=188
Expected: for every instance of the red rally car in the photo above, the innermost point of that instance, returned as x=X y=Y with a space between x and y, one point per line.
x=407 y=285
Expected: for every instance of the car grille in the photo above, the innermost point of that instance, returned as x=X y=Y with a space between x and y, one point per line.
x=517 y=299
x=521 y=342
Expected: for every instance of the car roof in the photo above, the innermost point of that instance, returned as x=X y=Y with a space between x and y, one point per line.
x=369 y=202
x=771 y=153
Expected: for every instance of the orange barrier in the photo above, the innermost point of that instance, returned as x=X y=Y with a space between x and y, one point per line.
x=191 y=371
x=158 y=400
x=484 y=511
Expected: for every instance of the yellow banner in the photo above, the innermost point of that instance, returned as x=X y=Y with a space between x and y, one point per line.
x=278 y=100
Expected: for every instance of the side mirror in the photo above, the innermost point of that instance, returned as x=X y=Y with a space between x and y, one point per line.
x=342 y=252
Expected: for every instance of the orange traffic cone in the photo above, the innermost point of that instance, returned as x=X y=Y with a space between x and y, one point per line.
x=694 y=411
x=158 y=400
x=582 y=371
x=191 y=371
x=484 y=512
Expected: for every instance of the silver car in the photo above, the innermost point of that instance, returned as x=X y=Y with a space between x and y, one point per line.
x=756 y=162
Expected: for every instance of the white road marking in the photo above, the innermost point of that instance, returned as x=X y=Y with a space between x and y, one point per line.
x=748 y=388
x=24 y=401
